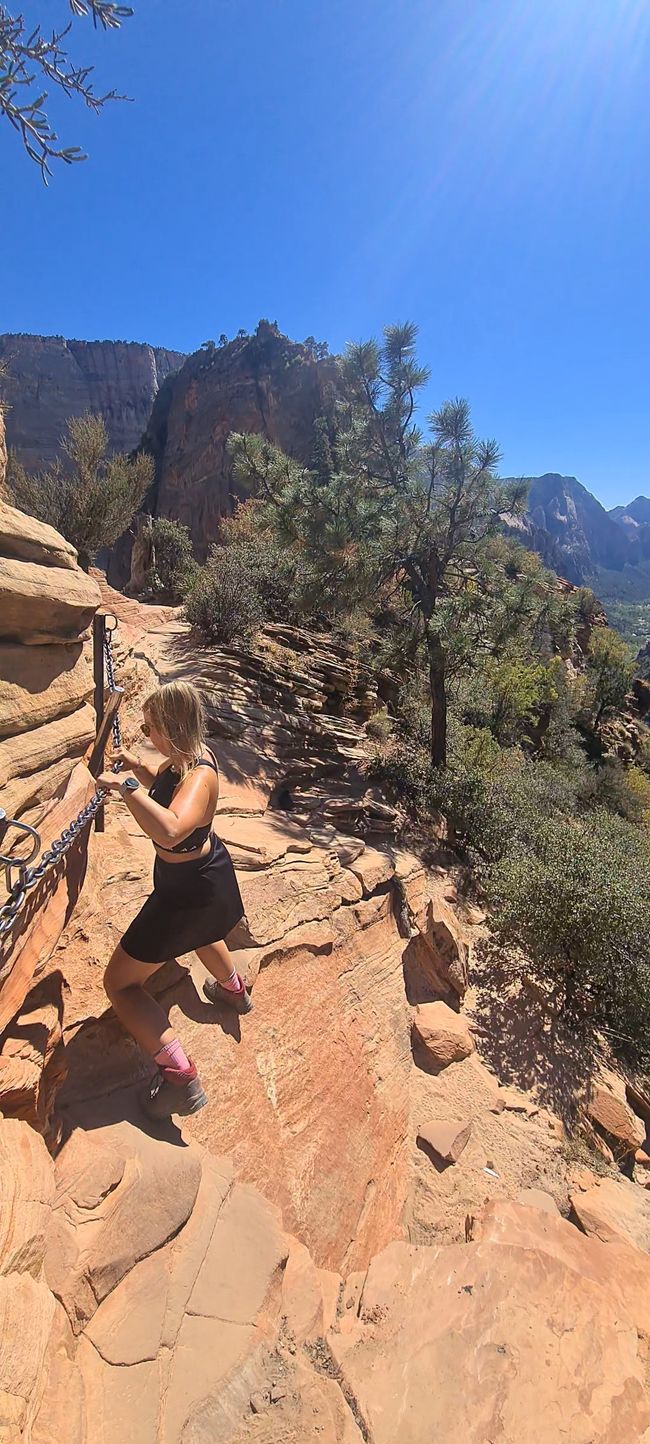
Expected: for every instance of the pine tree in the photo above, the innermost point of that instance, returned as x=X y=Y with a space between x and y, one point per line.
x=381 y=509
x=91 y=497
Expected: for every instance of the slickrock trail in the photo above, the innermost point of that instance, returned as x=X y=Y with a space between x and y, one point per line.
x=370 y=1234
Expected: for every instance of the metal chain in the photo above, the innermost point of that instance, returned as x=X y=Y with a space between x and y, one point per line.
x=29 y=877
x=110 y=678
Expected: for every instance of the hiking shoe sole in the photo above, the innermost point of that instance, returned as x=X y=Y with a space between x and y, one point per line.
x=241 y=1002
x=163 y=1100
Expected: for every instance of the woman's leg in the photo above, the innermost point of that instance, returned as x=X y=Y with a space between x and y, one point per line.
x=228 y=986
x=139 y=1013
x=177 y=1088
x=218 y=961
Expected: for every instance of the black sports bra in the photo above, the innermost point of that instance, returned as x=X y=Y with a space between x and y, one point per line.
x=163 y=790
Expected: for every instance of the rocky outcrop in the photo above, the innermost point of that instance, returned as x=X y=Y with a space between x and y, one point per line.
x=262 y=383
x=161 y=1289
x=49 y=379
x=526 y=1312
x=46 y=606
x=46 y=726
x=312 y=1256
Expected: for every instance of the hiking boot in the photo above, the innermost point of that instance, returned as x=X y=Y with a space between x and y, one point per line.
x=215 y=993
x=172 y=1091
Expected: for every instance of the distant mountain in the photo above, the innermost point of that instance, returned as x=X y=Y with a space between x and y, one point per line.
x=584 y=542
x=638 y=512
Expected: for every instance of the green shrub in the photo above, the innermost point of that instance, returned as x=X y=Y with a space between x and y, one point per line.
x=173 y=558
x=222 y=601
x=379 y=727
x=91 y=495
x=619 y=789
x=575 y=905
x=247 y=579
x=610 y=669
x=279 y=575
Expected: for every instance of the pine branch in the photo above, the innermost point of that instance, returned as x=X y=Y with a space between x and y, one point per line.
x=27 y=58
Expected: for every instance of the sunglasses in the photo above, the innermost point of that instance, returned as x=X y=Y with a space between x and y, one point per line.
x=145 y=728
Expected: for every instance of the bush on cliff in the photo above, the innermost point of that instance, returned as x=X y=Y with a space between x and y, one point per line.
x=90 y=497
x=173 y=554
x=222 y=600
x=378 y=508
x=249 y=578
x=574 y=906
x=609 y=669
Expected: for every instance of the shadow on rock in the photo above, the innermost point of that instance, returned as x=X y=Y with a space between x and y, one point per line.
x=527 y=1044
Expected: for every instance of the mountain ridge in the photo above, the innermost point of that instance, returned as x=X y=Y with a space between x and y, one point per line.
x=182 y=408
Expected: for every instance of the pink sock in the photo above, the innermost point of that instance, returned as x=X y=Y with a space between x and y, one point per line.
x=173 y=1056
x=234 y=983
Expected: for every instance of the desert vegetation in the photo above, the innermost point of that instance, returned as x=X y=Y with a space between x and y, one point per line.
x=502 y=680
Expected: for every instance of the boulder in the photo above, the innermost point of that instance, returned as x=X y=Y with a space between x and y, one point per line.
x=444 y=1035
x=32 y=1062
x=446 y=1137
x=620 y=1270
x=373 y=868
x=27 y=1194
x=610 y=1111
x=25 y=539
x=39 y=684
x=42 y=604
x=614 y=1211
x=538 y=1198
x=26 y=1304
x=152 y=1201
x=515 y=1322
x=436 y=961
x=26 y=1316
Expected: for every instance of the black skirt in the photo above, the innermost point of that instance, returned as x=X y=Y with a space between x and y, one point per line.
x=192 y=904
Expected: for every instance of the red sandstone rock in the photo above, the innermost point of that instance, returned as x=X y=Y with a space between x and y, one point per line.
x=609 y=1110
x=444 y=1035
x=39 y=684
x=541 y=1328
x=537 y=1198
x=447 y=1138
x=614 y=1210
x=44 y=603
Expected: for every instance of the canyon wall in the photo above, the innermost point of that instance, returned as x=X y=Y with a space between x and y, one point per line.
x=47 y=723
x=262 y=383
x=49 y=378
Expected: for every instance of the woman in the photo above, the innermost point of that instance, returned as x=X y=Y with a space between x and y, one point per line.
x=195 y=900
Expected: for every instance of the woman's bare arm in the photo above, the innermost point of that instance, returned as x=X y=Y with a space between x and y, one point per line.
x=167 y=826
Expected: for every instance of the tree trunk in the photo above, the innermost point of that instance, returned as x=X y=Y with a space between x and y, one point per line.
x=438 y=694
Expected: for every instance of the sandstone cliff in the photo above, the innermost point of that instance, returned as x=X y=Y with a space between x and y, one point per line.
x=361 y=1238
x=261 y=383
x=49 y=379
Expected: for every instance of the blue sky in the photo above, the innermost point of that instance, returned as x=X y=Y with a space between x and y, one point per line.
x=478 y=166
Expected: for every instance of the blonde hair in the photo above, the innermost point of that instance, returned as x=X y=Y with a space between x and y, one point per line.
x=176 y=710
